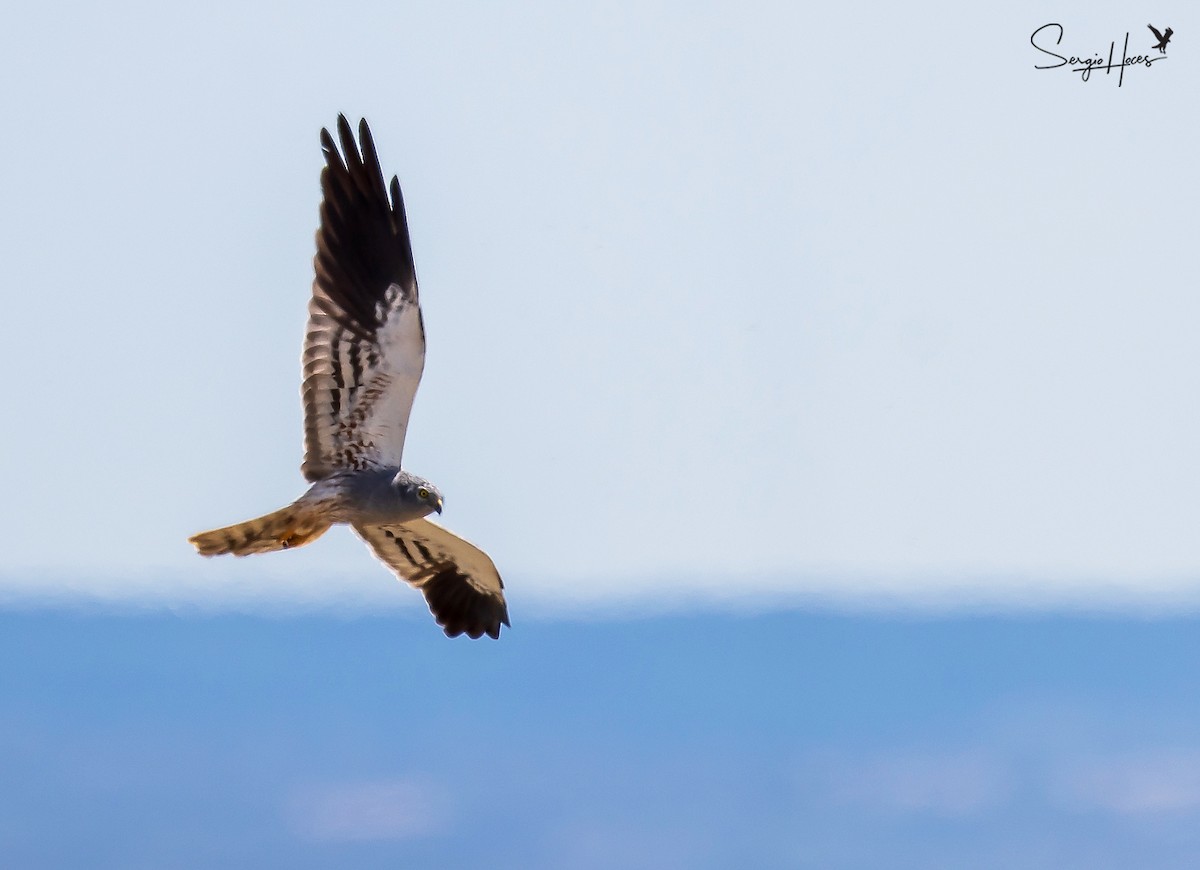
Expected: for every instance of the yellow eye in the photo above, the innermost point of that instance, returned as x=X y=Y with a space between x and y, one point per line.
x=423 y=493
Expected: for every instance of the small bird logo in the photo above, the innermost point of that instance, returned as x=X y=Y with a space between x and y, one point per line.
x=1163 y=38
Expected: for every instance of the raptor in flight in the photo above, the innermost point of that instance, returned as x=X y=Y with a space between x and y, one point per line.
x=1163 y=38
x=364 y=351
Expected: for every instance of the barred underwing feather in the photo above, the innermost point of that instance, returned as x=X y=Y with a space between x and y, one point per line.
x=459 y=581
x=364 y=348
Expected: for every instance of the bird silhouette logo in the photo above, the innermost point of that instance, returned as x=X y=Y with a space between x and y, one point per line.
x=1163 y=38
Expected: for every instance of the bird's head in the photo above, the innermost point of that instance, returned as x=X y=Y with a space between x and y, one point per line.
x=418 y=492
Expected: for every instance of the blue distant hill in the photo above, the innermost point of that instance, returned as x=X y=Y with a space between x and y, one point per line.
x=789 y=740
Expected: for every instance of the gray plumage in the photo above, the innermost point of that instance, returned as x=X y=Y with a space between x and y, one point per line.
x=364 y=352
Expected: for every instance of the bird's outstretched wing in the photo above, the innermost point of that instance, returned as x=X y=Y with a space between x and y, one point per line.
x=1154 y=30
x=364 y=348
x=460 y=583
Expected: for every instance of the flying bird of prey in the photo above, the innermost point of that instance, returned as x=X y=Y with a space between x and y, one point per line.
x=364 y=351
x=1163 y=38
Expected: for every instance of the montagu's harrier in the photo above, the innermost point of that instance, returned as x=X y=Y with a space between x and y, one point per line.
x=364 y=351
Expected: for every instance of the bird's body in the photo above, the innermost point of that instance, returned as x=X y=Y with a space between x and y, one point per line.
x=376 y=496
x=385 y=497
x=364 y=352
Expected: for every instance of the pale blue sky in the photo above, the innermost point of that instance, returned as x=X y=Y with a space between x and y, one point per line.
x=846 y=300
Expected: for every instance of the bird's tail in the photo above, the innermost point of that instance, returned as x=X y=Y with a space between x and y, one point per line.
x=292 y=526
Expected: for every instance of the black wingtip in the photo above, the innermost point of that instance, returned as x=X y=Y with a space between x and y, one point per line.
x=349 y=146
x=327 y=145
x=460 y=624
x=475 y=632
x=363 y=244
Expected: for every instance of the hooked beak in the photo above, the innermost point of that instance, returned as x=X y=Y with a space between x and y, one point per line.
x=438 y=506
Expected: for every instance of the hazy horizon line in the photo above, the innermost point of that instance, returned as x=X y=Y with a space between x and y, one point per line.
x=908 y=595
